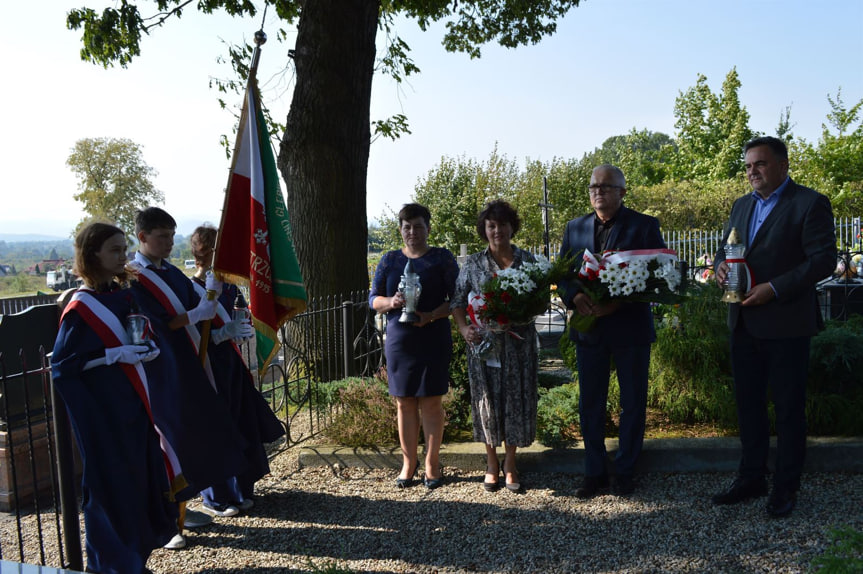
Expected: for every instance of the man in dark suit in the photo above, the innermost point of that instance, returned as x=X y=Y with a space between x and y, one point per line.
x=790 y=245
x=623 y=332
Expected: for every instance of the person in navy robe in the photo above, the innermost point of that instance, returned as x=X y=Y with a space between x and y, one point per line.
x=249 y=411
x=186 y=401
x=126 y=491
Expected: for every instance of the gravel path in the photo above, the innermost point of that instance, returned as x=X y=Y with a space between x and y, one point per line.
x=314 y=518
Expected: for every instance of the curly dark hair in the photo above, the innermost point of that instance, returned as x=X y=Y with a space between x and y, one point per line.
x=88 y=242
x=204 y=237
x=500 y=211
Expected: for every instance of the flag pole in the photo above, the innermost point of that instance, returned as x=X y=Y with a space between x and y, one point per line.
x=205 y=328
x=260 y=39
x=254 y=246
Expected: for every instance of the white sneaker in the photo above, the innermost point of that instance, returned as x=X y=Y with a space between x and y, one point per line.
x=247 y=504
x=176 y=543
x=220 y=510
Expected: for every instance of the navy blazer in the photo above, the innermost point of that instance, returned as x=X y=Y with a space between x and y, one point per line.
x=793 y=250
x=632 y=323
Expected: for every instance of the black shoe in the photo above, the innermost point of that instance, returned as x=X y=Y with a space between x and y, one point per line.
x=491 y=486
x=781 y=502
x=741 y=489
x=409 y=481
x=624 y=484
x=591 y=485
x=432 y=483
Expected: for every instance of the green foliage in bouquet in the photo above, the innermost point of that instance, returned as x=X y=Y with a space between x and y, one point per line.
x=690 y=365
x=518 y=295
x=834 y=396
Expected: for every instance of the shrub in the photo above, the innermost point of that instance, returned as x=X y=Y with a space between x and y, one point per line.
x=844 y=555
x=364 y=413
x=458 y=409
x=557 y=421
x=690 y=367
x=834 y=393
x=567 y=351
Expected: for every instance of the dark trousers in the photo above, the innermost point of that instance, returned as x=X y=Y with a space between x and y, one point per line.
x=594 y=365
x=780 y=366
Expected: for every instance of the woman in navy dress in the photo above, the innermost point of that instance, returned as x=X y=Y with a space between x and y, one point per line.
x=125 y=484
x=417 y=354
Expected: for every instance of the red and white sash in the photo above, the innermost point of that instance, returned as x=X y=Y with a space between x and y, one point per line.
x=110 y=331
x=169 y=300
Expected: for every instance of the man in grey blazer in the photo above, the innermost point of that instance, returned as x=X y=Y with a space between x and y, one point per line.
x=790 y=245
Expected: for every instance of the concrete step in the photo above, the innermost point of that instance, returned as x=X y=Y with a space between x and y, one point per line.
x=824 y=454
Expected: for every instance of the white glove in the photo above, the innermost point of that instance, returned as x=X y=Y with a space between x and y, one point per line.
x=231 y=330
x=205 y=310
x=131 y=354
x=213 y=284
x=152 y=353
x=247 y=333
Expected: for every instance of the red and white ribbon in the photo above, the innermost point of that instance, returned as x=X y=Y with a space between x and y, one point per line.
x=591 y=265
x=750 y=279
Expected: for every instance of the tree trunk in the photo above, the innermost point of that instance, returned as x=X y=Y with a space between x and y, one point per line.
x=325 y=151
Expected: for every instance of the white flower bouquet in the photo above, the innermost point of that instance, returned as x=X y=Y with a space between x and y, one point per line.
x=645 y=275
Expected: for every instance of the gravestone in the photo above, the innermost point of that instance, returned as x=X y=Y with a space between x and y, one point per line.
x=24 y=412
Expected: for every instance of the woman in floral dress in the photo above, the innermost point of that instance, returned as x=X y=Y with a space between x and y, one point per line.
x=503 y=381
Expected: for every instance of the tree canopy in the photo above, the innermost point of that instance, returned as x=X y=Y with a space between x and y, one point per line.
x=324 y=150
x=114 y=181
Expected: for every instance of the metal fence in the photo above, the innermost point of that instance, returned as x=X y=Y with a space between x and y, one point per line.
x=12 y=305
x=38 y=484
x=334 y=338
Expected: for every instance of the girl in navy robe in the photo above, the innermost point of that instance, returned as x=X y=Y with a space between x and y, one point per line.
x=126 y=488
x=249 y=410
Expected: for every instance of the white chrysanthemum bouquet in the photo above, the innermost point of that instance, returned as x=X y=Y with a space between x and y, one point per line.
x=646 y=275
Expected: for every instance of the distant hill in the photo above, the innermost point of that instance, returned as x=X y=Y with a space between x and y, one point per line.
x=19 y=237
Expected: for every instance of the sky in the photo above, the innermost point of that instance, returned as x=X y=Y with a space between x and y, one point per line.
x=612 y=66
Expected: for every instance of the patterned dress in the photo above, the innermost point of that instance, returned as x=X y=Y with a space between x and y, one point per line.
x=503 y=398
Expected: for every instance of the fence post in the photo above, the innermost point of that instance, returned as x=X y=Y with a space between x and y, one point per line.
x=66 y=481
x=348 y=337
